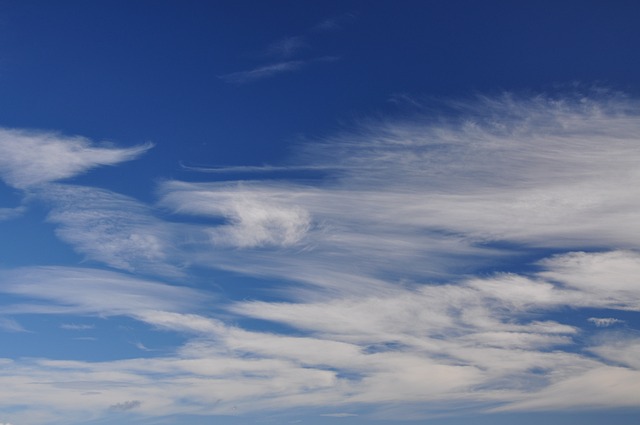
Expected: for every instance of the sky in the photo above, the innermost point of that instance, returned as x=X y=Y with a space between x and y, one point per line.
x=319 y=212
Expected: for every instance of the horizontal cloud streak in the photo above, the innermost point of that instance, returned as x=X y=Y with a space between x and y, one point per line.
x=271 y=70
x=9 y=213
x=92 y=291
x=261 y=72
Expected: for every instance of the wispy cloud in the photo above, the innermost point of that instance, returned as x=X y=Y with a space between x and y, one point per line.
x=31 y=158
x=76 y=327
x=9 y=213
x=338 y=415
x=110 y=228
x=256 y=169
x=540 y=172
x=287 y=53
x=125 y=405
x=263 y=71
x=91 y=291
x=336 y=22
x=272 y=69
x=603 y=322
x=376 y=264
x=286 y=47
x=10 y=325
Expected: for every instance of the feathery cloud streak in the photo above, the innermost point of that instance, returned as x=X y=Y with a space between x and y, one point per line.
x=375 y=266
x=30 y=158
x=285 y=50
x=271 y=70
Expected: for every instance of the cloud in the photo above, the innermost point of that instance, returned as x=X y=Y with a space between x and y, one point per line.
x=286 y=47
x=126 y=405
x=427 y=269
x=256 y=169
x=9 y=213
x=602 y=387
x=111 y=228
x=531 y=173
x=338 y=415
x=31 y=158
x=335 y=23
x=405 y=206
x=254 y=220
x=459 y=344
x=603 y=322
x=262 y=72
x=10 y=325
x=76 y=327
x=618 y=348
x=271 y=70
x=89 y=291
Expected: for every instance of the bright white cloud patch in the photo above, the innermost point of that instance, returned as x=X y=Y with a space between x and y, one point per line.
x=380 y=302
x=29 y=158
x=604 y=321
x=255 y=218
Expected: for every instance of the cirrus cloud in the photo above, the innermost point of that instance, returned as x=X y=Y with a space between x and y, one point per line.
x=31 y=158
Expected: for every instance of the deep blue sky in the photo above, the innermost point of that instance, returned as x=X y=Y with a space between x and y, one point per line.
x=319 y=212
x=135 y=71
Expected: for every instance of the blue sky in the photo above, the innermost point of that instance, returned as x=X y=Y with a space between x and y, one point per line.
x=280 y=212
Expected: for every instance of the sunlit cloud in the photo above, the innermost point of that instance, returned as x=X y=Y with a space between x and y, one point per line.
x=393 y=271
x=604 y=321
x=88 y=291
x=31 y=158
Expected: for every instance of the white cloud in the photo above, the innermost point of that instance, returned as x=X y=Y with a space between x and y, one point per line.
x=254 y=219
x=286 y=47
x=111 y=228
x=619 y=349
x=602 y=322
x=533 y=173
x=91 y=291
x=376 y=263
x=465 y=343
x=30 y=158
x=601 y=387
x=606 y=276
